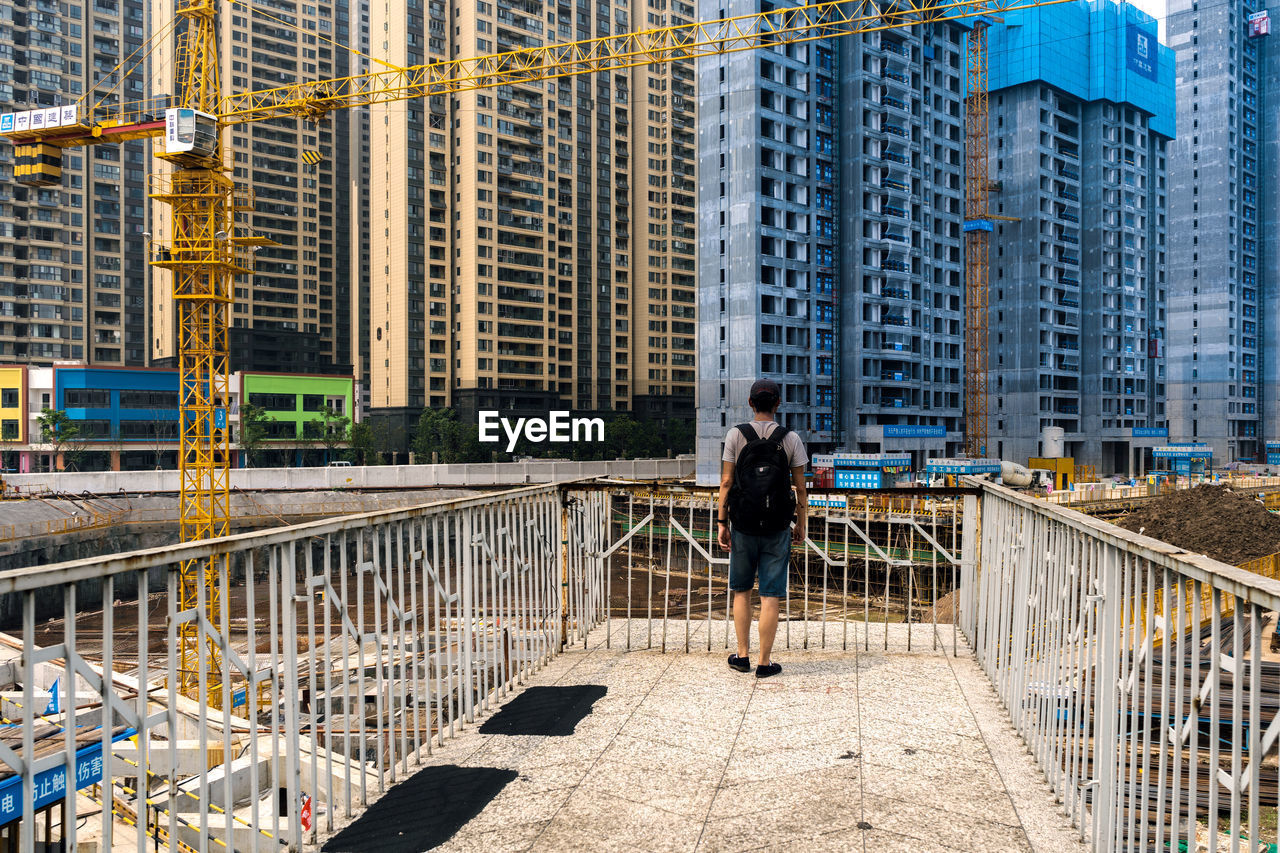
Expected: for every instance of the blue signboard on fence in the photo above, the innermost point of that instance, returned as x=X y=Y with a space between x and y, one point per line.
x=962 y=466
x=1150 y=432
x=51 y=784
x=893 y=431
x=1183 y=451
x=1140 y=50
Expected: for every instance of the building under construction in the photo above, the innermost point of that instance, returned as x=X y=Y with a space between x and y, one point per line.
x=831 y=202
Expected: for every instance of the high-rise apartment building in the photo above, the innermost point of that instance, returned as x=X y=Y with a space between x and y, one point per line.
x=294 y=312
x=72 y=266
x=1224 y=355
x=1081 y=106
x=532 y=245
x=831 y=209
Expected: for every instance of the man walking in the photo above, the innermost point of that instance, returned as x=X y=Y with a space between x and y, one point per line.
x=762 y=461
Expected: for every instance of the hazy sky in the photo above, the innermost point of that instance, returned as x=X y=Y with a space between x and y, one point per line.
x=1154 y=8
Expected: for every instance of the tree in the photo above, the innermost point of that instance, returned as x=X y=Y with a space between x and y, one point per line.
x=334 y=430
x=164 y=434
x=362 y=445
x=439 y=431
x=680 y=436
x=253 y=431
x=58 y=429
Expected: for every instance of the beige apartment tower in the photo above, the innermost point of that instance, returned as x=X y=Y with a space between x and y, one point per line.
x=531 y=247
x=293 y=313
x=72 y=273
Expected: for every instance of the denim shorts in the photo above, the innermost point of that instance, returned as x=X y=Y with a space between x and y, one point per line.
x=768 y=555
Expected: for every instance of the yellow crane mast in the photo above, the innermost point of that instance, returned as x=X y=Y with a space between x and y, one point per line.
x=205 y=254
x=201 y=259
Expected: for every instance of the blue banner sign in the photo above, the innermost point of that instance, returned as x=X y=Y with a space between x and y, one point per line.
x=915 y=431
x=869 y=460
x=1150 y=432
x=1140 y=50
x=1183 y=451
x=963 y=466
x=51 y=784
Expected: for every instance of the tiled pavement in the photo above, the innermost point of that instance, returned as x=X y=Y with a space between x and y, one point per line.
x=845 y=750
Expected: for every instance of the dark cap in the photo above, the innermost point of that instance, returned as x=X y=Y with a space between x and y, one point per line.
x=765 y=386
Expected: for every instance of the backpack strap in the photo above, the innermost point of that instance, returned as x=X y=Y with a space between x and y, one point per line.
x=750 y=434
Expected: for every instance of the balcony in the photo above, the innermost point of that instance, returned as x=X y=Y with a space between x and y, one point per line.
x=1070 y=174
x=574 y=716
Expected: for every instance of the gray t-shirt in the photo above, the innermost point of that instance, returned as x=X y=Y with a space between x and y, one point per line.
x=734 y=441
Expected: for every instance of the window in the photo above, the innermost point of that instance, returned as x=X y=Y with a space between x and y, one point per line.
x=274 y=402
x=148 y=399
x=86 y=398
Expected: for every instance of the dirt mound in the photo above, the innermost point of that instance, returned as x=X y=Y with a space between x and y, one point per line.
x=1210 y=520
x=943 y=611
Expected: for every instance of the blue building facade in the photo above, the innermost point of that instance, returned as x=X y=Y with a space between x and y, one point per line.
x=119 y=404
x=1082 y=114
x=131 y=415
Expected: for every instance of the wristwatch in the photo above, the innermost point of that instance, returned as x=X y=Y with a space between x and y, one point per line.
x=722 y=521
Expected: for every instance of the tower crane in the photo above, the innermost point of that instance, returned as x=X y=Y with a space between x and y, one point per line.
x=204 y=253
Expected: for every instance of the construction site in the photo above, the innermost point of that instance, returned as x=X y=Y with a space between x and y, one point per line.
x=340 y=652
x=523 y=657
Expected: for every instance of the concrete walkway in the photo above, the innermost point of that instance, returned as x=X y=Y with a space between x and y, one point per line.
x=858 y=750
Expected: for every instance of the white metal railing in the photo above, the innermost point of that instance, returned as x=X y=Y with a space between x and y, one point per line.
x=1135 y=672
x=346 y=648
x=868 y=560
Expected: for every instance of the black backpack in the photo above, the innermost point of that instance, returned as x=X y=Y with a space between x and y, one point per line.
x=760 y=500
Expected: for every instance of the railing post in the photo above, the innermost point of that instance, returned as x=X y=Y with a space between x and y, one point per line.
x=564 y=569
x=1106 y=715
x=970 y=568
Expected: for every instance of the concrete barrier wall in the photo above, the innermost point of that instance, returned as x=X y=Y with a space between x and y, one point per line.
x=360 y=477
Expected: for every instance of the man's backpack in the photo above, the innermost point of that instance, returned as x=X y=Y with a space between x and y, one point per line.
x=760 y=500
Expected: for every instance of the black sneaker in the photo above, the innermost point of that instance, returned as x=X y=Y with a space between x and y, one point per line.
x=742 y=664
x=766 y=670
